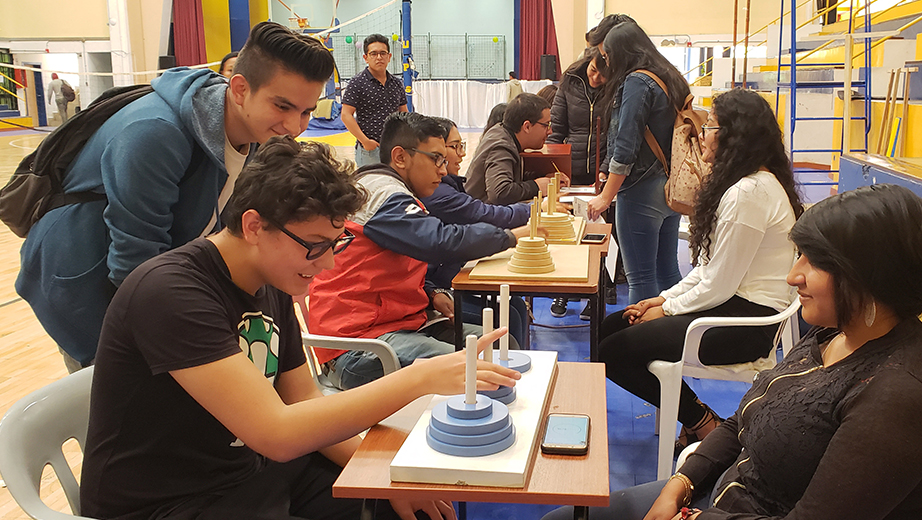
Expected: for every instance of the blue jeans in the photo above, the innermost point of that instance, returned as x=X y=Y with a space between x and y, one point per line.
x=648 y=235
x=518 y=315
x=364 y=157
x=628 y=504
x=355 y=368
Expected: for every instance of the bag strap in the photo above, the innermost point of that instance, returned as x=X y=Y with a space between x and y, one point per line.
x=647 y=134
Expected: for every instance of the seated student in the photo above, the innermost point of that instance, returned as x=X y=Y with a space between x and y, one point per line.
x=739 y=240
x=833 y=430
x=495 y=117
x=452 y=205
x=377 y=289
x=496 y=174
x=202 y=403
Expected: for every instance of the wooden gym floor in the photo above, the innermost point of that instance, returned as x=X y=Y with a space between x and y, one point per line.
x=29 y=359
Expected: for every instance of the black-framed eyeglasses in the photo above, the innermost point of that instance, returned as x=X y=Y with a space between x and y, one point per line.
x=705 y=128
x=439 y=159
x=460 y=147
x=378 y=54
x=317 y=249
x=545 y=125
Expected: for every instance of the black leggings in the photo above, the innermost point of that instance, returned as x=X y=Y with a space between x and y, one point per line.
x=627 y=349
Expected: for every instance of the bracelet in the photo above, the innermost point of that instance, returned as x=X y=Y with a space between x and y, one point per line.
x=686 y=512
x=689 y=487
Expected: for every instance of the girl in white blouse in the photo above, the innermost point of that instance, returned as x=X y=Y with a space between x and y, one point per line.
x=739 y=242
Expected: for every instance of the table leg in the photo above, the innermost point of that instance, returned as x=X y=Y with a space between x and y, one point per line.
x=595 y=322
x=580 y=512
x=459 y=320
x=368 y=509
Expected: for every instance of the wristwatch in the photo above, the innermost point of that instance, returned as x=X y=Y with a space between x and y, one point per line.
x=447 y=292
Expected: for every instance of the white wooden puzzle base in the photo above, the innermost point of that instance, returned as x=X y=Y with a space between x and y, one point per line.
x=417 y=462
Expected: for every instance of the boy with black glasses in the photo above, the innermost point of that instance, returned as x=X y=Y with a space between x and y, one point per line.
x=203 y=405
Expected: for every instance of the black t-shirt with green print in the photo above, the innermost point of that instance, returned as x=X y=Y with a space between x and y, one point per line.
x=150 y=446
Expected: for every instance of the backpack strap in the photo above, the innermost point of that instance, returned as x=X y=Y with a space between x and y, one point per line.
x=647 y=134
x=655 y=78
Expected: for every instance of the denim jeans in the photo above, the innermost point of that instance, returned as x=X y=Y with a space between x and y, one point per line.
x=648 y=235
x=632 y=503
x=364 y=157
x=518 y=315
x=355 y=368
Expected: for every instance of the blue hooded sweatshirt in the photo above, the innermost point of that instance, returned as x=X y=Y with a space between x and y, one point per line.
x=75 y=256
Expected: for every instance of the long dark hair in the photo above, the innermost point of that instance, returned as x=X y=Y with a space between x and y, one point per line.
x=578 y=67
x=629 y=48
x=870 y=241
x=748 y=139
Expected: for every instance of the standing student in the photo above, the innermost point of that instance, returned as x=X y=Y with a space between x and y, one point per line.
x=54 y=90
x=203 y=405
x=648 y=230
x=166 y=164
x=574 y=120
x=370 y=97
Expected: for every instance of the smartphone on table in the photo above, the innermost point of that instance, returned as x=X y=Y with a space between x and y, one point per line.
x=593 y=238
x=566 y=434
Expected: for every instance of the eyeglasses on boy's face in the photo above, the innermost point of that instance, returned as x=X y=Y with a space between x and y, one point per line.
x=378 y=54
x=439 y=159
x=317 y=249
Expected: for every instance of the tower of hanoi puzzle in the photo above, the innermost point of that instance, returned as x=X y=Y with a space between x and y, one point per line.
x=477 y=424
x=559 y=225
x=531 y=255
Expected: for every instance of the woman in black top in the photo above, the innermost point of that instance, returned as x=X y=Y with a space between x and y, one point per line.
x=574 y=119
x=832 y=432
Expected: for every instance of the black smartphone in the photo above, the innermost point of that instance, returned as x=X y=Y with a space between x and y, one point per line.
x=566 y=434
x=593 y=238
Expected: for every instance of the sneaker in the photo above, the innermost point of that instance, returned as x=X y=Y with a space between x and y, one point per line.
x=586 y=314
x=611 y=296
x=559 y=307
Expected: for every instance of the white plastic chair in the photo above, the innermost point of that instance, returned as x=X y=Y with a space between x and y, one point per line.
x=670 y=373
x=32 y=434
x=382 y=350
x=685 y=453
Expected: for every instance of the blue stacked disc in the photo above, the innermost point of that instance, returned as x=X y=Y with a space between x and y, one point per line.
x=470 y=430
x=518 y=361
x=503 y=394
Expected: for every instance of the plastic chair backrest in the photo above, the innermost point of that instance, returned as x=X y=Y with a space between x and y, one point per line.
x=32 y=434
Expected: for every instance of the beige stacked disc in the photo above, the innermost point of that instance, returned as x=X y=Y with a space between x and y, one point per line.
x=559 y=226
x=531 y=257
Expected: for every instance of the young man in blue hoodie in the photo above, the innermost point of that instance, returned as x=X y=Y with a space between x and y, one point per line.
x=166 y=164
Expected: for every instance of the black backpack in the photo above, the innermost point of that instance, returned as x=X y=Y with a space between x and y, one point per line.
x=37 y=184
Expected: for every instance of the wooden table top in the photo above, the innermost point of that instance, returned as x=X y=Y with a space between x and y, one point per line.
x=462 y=281
x=554 y=479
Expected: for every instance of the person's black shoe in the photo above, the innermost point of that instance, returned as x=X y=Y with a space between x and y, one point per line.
x=559 y=307
x=586 y=314
x=611 y=296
